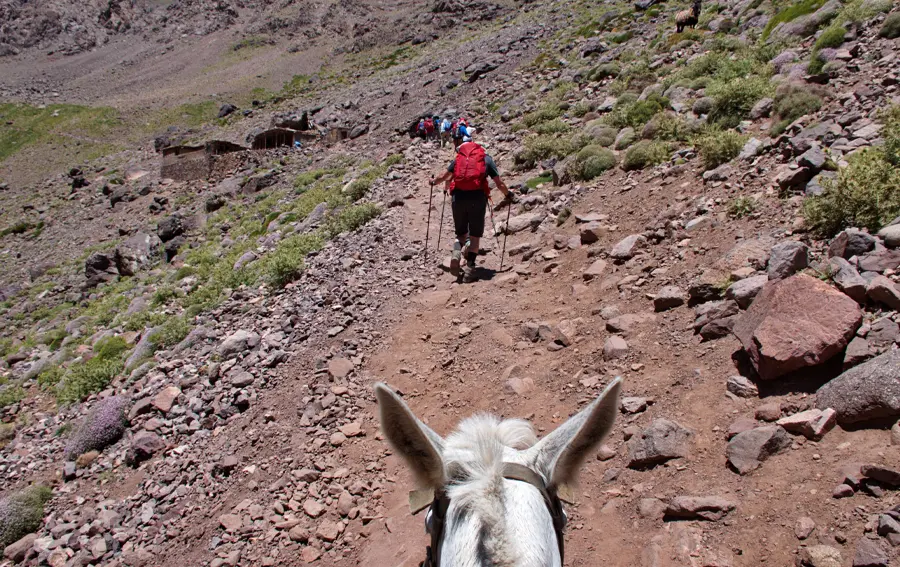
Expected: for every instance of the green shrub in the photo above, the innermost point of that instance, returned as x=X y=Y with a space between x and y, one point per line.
x=49 y=379
x=719 y=146
x=792 y=12
x=891 y=27
x=733 y=100
x=393 y=159
x=859 y=11
x=545 y=113
x=740 y=207
x=865 y=194
x=285 y=263
x=604 y=71
x=793 y=101
x=601 y=133
x=172 y=332
x=591 y=161
x=891 y=134
x=636 y=78
x=538 y=148
x=20 y=227
x=831 y=37
x=7 y=433
x=534 y=182
x=665 y=126
x=555 y=126
x=350 y=218
x=11 y=394
x=110 y=347
x=21 y=513
x=644 y=154
x=87 y=378
x=636 y=114
x=581 y=108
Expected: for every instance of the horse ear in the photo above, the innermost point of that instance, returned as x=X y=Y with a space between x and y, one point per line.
x=558 y=456
x=419 y=446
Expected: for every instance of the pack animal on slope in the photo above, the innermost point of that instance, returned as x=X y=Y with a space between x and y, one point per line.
x=688 y=18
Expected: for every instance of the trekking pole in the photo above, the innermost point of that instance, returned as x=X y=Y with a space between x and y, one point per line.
x=428 y=224
x=505 y=234
x=494 y=226
x=441 y=226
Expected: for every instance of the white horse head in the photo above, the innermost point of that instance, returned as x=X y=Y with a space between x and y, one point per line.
x=492 y=518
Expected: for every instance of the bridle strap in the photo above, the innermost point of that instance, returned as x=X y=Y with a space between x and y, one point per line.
x=511 y=471
x=515 y=471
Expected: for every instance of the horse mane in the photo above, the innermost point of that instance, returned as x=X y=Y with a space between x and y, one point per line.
x=473 y=460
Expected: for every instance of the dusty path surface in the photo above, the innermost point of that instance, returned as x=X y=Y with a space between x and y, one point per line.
x=453 y=349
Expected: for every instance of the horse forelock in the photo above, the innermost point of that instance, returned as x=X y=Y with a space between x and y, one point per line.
x=473 y=457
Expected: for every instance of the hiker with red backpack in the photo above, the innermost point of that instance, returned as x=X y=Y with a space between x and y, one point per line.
x=429 y=128
x=467 y=182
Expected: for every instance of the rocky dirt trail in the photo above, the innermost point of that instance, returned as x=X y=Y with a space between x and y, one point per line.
x=241 y=335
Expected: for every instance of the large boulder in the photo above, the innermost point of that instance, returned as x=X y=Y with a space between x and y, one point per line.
x=795 y=323
x=170 y=228
x=869 y=392
x=99 y=268
x=628 y=247
x=847 y=279
x=851 y=242
x=807 y=25
x=138 y=252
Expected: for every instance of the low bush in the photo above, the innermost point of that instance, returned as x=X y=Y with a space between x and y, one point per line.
x=110 y=347
x=543 y=147
x=102 y=426
x=740 y=207
x=890 y=29
x=644 y=154
x=793 y=101
x=172 y=332
x=733 y=100
x=793 y=11
x=591 y=161
x=21 y=513
x=350 y=218
x=636 y=114
x=831 y=37
x=604 y=71
x=11 y=394
x=601 y=133
x=285 y=263
x=719 y=146
x=545 y=113
x=87 y=378
x=555 y=126
x=534 y=182
x=859 y=11
x=581 y=108
x=665 y=126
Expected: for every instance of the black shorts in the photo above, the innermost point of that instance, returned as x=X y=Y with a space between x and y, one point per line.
x=468 y=212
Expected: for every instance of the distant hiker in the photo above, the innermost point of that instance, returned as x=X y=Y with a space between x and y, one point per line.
x=461 y=132
x=446 y=131
x=437 y=128
x=421 y=128
x=688 y=18
x=467 y=182
x=429 y=128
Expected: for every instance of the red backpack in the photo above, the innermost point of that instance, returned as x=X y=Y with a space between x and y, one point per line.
x=429 y=125
x=470 y=170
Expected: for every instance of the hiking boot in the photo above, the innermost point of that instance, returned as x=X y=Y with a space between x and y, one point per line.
x=469 y=273
x=455 y=258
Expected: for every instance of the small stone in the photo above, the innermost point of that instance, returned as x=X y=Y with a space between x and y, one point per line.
x=668 y=297
x=710 y=508
x=310 y=554
x=337 y=439
x=329 y=531
x=313 y=508
x=615 y=347
x=769 y=412
x=843 y=491
x=299 y=534
x=663 y=440
x=787 y=258
x=605 y=453
x=340 y=368
x=820 y=556
x=231 y=522
x=633 y=405
x=742 y=387
x=166 y=399
x=804 y=527
x=812 y=424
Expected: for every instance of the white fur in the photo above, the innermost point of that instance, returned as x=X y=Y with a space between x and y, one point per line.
x=493 y=521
